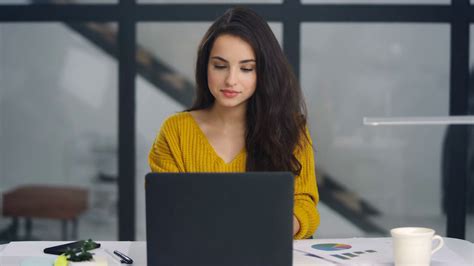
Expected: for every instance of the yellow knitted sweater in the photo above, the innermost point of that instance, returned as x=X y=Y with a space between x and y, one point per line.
x=181 y=146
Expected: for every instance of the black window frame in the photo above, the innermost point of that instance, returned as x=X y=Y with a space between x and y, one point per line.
x=291 y=13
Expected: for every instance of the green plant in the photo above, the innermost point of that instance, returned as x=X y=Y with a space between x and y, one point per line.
x=82 y=253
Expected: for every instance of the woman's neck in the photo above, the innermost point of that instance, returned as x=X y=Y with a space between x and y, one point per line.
x=228 y=117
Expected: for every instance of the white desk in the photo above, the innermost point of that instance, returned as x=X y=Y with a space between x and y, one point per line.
x=15 y=253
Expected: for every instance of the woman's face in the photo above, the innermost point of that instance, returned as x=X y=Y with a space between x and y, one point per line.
x=231 y=72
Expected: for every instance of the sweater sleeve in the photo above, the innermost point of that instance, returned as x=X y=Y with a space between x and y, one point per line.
x=306 y=191
x=164 y=155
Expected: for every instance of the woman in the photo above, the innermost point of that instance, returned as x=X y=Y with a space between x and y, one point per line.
x=248 y=115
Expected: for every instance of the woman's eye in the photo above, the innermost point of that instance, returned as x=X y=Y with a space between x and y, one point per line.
x=246 y=69
x=219 y=66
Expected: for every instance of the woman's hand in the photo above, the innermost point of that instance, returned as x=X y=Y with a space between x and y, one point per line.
x=296 y=225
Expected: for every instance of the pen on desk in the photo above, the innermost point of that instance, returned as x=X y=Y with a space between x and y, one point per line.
x=122 y=258
x=125 y=259
x=113 y=256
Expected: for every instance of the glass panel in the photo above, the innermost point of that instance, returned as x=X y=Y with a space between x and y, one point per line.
x=210 y=1
x=58 y=118
x=166 y=61
x=414 y=2
x=384 y=176
x=62 y=2
x=470 y=195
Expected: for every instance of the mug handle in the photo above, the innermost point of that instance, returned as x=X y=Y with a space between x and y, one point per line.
x=440 y=244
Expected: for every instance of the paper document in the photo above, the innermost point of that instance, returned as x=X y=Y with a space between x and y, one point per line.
x=363 y=251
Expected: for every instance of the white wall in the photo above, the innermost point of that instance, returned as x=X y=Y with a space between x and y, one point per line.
x=58 y=98
x=350 y=71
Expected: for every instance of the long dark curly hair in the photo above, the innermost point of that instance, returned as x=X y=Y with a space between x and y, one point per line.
x=276 y=113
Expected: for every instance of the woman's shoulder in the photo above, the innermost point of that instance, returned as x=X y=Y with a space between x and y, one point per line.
x=176 y=121
x=179 y=117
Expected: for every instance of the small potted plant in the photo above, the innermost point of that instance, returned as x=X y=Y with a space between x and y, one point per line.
x=80 y=256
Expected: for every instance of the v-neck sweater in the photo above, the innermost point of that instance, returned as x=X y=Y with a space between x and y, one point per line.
x=181 y=146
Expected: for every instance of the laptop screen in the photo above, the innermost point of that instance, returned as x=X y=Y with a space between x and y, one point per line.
x=219 y=218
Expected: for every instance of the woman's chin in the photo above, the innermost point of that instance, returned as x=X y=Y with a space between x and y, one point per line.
x=229 y=103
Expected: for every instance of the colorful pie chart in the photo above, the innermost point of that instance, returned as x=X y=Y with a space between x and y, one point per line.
x=331 y=247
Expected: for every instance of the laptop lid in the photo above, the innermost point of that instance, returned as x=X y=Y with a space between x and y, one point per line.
x=219 y=218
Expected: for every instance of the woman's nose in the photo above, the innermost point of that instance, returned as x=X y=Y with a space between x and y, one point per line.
x=231 y=79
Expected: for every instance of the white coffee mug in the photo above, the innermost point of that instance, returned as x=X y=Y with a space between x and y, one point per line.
x=413 y=246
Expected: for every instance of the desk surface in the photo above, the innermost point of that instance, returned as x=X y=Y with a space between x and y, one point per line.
x=461 y=252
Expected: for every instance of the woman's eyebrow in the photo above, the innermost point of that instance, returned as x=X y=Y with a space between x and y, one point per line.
x=247 y=61
x=241 y=62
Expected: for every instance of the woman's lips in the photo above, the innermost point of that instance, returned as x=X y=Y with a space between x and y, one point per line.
x=230 y=93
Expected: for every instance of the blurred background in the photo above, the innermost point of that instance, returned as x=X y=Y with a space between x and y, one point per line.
x=87 y=88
